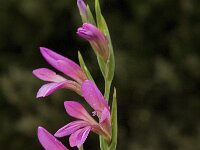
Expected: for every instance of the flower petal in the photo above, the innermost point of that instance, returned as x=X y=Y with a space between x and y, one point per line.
x=48 y=141
x=71 y=128
x=49 y=88
x=79 y=137
x=76 y=110
x=68 y=69
x=105 y=115
x=93 y=96
x=71 y=69
x=46 y=74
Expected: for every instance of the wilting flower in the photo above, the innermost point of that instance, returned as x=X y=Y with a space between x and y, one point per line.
x=48 y=141
x=64 y=65
x=79 y=129
x=97 y=39
x=82 y=9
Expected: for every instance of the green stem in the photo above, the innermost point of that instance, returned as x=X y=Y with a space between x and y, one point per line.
x=81 y=148
x=103 y=143
x=107 y=89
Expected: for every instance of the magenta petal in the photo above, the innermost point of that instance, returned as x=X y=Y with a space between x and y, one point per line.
x=79 y=137
x=71 y=128
x=93 y=96
x=86 y=34
x=47 y=75
x=90 y=32
x=76 y=110
x=48 y=141
x=105 y=115
x=49 y=88
x=53 y=58
x=70 y=70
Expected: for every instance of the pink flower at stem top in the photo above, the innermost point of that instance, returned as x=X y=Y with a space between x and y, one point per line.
x=97 y=39
x=64 y=65
x=79 y=129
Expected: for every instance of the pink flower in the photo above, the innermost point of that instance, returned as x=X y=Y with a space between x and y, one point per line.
x=48 y=141
x=97 y=101
x=97 y=39
x=79 y=129
x=66 y=66
x=63 y=64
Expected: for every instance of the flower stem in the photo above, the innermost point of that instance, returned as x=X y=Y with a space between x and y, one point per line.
x=103 y=143
x=107 y=89
x=81 y=148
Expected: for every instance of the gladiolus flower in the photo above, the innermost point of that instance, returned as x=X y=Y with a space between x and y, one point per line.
x=97 y=39
x=48 y=141
x=96 y=100
x=66 y=66
x=94 y=97
x=55 y=82
x=63 y=64
x=79 y=129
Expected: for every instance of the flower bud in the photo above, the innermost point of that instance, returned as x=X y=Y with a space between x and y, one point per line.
x=97 y=39
x=82 y=9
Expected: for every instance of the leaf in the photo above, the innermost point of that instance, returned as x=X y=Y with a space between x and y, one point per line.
x=102 y=66
x=101 y=23
x=84 y=67
x=90 y=16
x=113 y=144
x=108 y=71
x=98 y=15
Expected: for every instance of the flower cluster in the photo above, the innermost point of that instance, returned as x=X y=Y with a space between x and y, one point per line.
x=80 y=81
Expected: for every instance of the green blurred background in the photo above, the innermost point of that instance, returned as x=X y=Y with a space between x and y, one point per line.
x=157 y=48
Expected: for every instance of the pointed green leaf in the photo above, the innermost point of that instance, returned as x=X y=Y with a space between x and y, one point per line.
x=101 y=62
x=114 y=122
x=110 y=66
x=105 y=27
x=98 y=15
x=101 y=23
x=90 y=18
x=111 y=60
x=84 y=67
x=102 y=66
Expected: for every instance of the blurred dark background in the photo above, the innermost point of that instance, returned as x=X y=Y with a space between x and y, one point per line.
x=157 y=49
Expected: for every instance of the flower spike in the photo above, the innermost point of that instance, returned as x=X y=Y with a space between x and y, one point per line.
x=96 y=32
